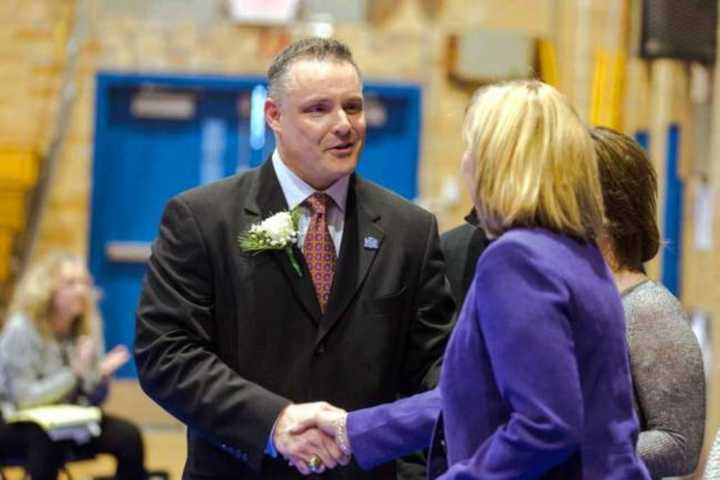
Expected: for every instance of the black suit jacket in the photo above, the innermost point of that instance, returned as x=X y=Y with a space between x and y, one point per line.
x=462 y=246
x=225 y=339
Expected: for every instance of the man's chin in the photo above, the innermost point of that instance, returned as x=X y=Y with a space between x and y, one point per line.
x=345 y=163
x=338 y=171
x=346 y=168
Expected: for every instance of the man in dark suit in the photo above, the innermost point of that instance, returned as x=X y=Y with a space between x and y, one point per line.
x=462 y=246
x=236 y=343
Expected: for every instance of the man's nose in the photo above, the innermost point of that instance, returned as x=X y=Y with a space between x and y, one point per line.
x=343 y=126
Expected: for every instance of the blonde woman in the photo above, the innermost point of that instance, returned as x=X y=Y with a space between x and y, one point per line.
x=535 y=380
x=51 y=352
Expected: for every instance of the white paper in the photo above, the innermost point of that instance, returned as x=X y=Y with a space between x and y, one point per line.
x=704 y=217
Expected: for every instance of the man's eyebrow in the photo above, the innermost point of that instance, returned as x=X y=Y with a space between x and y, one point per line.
x=315 y=98
x=320 y=98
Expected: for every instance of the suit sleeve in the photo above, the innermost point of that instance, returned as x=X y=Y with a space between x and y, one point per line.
x=433 y=309
x=385 y=432
x=524 y=317
x=176 y=329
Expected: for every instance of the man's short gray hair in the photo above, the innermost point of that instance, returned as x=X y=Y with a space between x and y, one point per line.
x=313 y=48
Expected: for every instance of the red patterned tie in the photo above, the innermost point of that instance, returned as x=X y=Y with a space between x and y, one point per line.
x=318 y=248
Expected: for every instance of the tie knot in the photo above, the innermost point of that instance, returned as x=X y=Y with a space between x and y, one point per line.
x=318 y=202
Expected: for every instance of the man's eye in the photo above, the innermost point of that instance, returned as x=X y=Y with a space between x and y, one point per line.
x=354 y=108
x=316 y=109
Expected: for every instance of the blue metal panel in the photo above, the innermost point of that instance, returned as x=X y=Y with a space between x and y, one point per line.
x=643 y=138
x=392 y=151
x=672 y=218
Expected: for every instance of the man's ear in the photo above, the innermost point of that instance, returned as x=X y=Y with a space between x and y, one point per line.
x=272 y=113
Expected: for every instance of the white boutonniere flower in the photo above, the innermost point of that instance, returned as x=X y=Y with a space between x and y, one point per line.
x=278 y=232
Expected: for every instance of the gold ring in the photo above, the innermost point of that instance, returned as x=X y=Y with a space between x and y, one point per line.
x=315 y=464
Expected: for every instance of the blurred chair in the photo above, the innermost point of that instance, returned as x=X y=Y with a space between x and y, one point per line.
x=71 y=455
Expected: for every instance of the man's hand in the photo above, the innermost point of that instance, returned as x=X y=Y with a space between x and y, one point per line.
x=333 y=422
x=298 y=442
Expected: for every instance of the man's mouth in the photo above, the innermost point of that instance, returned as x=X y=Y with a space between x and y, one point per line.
x=346 y=147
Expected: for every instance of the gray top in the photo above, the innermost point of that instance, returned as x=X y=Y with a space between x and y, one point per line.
x=35 y=370
x=667 y=372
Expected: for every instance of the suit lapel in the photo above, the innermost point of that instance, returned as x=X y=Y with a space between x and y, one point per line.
x=270 y=200
x=362 y=239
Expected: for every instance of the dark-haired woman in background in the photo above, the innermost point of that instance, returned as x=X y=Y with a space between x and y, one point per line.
x=665 y=358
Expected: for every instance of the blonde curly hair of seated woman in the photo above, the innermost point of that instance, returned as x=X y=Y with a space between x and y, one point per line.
x=33 y=297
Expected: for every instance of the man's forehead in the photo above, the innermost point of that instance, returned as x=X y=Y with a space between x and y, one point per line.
x=313 y=74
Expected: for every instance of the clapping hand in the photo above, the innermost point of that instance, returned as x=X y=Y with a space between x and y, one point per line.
x=113 y=360
x=305 y=435
x=82 y=357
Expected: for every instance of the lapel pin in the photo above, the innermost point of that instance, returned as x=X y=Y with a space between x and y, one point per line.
x=371 y=243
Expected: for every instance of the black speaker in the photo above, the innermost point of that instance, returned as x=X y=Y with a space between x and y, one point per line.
x=681 y=29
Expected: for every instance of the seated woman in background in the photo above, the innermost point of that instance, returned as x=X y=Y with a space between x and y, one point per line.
x=665 y=357
x=51 y=353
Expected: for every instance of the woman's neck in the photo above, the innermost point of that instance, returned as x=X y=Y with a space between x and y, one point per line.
x=625 y=279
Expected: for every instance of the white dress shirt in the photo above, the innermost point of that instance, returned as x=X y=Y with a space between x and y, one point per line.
x=297 y=190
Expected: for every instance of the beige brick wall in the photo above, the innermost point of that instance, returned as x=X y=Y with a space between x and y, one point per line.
x=30 y=60
x=407 y=46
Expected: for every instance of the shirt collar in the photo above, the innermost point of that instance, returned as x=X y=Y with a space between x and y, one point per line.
x=296 y=190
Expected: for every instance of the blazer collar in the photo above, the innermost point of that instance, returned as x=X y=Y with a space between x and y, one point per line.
x=266 y=199
x=472 y=218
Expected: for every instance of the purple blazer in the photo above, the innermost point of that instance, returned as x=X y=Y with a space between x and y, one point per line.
x=535 y=380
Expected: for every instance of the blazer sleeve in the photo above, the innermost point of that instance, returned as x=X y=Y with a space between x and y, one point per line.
x=177 y=364
x=432 y=321
x=386 y=432
x=524 y=318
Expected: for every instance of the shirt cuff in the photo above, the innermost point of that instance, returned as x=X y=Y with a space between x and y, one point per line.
x=270 y=447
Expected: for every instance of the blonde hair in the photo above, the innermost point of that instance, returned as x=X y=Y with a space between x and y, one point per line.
x=534 y=161
x=34 y=296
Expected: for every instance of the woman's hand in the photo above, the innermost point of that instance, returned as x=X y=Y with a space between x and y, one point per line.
x=83 y=355
x=333 y=422
x=113 y=360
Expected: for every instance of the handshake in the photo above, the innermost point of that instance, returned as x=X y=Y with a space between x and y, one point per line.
x=312 y=437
